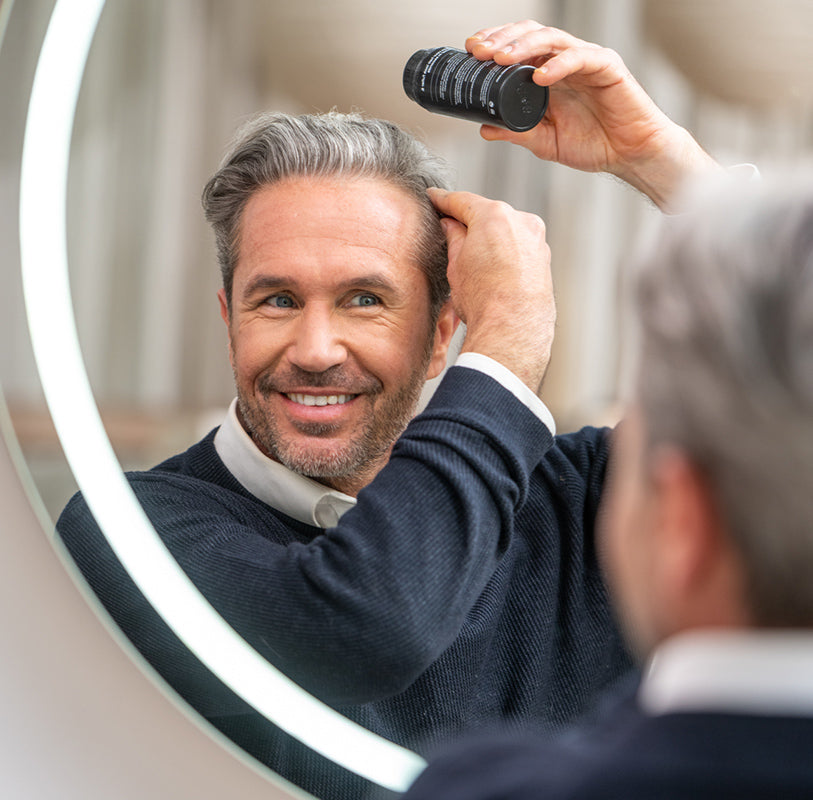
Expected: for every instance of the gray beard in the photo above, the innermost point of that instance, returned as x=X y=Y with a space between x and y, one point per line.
x=356 y=462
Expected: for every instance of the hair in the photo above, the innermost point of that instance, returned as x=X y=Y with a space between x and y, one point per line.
x=725 y=304
x=272 y=147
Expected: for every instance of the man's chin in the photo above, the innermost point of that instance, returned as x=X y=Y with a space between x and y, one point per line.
x=319 y=463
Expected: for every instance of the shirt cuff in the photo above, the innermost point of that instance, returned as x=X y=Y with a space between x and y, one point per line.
x=509 y=381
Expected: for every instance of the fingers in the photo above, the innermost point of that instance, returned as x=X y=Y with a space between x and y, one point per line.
x=600 y=66
x=455 y=236
x=555 y=53
x=522 y=41
x=502 y=35
x=489 y=218
x=461 y=206
x=529 y=139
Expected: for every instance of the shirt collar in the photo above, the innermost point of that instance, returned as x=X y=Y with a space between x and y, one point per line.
x=299 y=497
x=758 y=672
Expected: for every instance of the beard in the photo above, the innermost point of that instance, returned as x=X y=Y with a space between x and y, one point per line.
x=354 y=460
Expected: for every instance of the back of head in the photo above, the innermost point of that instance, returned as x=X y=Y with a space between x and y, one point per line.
x=725 y=300
x=273 y=147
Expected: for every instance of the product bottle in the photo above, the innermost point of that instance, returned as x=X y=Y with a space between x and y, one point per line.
x=453 y=82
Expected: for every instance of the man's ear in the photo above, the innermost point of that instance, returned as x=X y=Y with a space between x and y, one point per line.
x=224 y=306
x=698 y=568
x=444 y=331
x=226 y=316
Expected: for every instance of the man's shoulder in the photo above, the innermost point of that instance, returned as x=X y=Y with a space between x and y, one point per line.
x=576 y=463
x=198 y=461
x=629 y=754
x=705 y=754
x=195 y=478
x=589 y=442
x=515 y=766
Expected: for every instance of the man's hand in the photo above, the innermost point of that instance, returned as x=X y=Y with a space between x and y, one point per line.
x=598 y=118
x=499 y=273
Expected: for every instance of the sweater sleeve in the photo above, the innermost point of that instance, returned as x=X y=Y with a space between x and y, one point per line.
x=360 y=611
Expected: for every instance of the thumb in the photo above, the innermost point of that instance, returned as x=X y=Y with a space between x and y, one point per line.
x=455 y=236
x=491 y=133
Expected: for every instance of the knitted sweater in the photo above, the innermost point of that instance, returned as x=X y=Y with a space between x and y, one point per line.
x=463 y=589
x=625 y=753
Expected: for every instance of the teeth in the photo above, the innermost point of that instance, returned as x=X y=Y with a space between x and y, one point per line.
x=320 y=399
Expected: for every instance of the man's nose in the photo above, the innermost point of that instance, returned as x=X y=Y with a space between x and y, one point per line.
x=317 y=343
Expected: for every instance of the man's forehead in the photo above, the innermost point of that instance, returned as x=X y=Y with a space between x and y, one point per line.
x=334 y=222
x=358 y=208
x=342 y=193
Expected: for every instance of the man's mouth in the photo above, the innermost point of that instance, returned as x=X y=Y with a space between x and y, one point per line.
x=320 y=399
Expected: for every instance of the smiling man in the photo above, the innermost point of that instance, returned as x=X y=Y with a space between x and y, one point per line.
x=424 y=576
x=336 y=302
x=332 y=334
x=448 y=596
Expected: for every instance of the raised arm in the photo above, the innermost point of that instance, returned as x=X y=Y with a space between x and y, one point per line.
x=599 y=118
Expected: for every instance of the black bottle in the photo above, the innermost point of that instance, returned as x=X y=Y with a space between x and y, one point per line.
x=453 y=82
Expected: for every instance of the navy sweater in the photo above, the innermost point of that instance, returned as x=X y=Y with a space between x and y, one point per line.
x=625 y=754
x=462 y=590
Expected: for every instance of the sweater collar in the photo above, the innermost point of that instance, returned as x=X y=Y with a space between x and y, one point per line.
x=299 y=497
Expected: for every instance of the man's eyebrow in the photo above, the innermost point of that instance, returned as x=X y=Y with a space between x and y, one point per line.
x=372 y=282
x=265 y=282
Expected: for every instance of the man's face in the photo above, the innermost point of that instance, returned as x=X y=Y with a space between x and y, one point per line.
x=329 y=328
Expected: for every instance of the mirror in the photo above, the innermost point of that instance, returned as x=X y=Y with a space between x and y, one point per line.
x=164 y=88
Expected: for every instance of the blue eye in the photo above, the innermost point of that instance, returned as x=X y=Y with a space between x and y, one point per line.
x=280 y=301
x=364 y=300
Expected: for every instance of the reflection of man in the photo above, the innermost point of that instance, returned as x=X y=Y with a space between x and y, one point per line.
x=709 y=529
x=333 y=326
x=463 y=587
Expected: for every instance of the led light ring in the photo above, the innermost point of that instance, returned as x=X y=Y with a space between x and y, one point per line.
x=43 y=244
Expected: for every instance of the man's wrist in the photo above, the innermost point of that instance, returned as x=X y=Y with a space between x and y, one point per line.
x=663 y=177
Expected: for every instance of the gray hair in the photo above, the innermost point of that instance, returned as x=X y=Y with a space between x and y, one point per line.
x=725 y=303
x=274 y=146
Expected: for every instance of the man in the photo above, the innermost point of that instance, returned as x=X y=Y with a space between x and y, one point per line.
x=463 y=587
x=708 y=529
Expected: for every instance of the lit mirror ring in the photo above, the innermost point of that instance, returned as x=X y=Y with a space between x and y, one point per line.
x=43 y=191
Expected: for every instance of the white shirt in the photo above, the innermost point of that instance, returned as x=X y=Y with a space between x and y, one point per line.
x=752 y=671
x=307 y=500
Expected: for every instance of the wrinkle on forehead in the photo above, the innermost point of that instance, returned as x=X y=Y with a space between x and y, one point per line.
x=369 y=220
x=385 y=208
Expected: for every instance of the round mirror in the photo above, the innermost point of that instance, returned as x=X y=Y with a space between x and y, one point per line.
x=164 y=87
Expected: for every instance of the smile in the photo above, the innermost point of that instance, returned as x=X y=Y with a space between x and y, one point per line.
x=320 y=399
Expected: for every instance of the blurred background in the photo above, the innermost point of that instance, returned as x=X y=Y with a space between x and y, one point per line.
x=167 y=84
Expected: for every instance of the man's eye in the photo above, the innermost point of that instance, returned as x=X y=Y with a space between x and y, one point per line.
x=280 y=301
x=364 y=300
